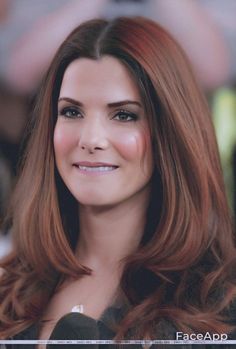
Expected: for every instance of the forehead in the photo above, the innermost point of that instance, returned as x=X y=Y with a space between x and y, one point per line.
x=105 y=78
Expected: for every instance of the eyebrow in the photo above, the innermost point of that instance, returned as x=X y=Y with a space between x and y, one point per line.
x=110 y=105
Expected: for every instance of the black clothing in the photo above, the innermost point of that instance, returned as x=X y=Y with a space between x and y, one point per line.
x=166 y=331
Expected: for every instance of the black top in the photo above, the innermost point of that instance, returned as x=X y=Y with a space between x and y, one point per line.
x=68 y=327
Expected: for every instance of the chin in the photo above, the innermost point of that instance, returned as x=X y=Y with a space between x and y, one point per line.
x=98 y=206
x=94 y=200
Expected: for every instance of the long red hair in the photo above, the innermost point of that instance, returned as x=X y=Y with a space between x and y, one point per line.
x=187 y=253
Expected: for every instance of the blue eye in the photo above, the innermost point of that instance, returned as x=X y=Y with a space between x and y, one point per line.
x=125 y=116
x=70 y=112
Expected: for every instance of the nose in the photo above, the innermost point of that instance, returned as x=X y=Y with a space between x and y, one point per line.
x=92 y=136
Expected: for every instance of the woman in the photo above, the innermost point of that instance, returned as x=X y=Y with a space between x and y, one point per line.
x=120 y=210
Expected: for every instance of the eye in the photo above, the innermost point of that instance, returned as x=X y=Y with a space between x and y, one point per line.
x=125 y=116
x=70 y=112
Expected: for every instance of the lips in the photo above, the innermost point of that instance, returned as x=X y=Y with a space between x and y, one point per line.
x=93 y=167
x=97 y=168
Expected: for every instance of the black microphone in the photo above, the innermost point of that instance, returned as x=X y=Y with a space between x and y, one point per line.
x=75 y=326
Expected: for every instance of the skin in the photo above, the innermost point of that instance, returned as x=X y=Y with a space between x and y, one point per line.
x=112 y=204
x=100 y=132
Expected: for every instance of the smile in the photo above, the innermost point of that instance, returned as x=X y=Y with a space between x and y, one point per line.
x=97 y=168
x=94 y=168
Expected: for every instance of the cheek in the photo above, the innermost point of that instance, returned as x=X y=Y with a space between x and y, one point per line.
x=63 y=140
x=135 y=146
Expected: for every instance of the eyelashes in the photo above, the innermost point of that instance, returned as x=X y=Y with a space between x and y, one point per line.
x=70 y=112
x=125 y=116
x=121 y=115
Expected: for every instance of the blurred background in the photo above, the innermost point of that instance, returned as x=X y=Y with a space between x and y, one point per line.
x=31 y=31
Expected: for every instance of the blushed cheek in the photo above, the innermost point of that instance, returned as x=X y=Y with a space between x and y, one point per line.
x=62 y=139
x=135 y=146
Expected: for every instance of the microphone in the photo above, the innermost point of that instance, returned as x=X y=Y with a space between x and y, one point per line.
x=75 y=326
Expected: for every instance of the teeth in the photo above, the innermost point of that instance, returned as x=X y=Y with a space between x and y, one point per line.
x=96 y=168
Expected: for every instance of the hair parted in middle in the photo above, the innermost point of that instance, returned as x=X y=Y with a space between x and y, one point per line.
x=187 y=251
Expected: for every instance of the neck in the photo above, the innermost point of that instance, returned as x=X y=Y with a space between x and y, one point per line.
x=109 y=234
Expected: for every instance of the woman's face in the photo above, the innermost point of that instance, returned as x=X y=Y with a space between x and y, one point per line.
x=102 y=139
